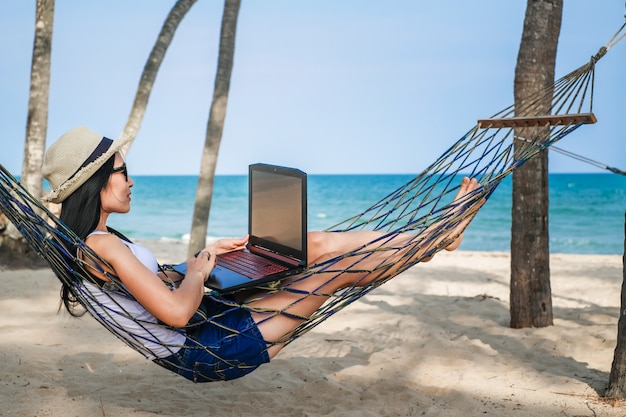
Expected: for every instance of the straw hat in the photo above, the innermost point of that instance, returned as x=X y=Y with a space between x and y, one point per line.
x=74 y=158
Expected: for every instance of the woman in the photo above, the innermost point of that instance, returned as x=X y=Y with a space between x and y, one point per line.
x=90 y=179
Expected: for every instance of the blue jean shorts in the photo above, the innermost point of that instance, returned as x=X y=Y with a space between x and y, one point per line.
x=227 y=346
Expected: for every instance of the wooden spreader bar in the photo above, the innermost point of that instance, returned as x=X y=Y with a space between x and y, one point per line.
x=539 y=121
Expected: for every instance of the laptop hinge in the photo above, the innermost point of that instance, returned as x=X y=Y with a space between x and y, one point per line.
x=260 y=250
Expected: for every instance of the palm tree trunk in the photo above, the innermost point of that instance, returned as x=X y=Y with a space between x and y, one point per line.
x=215 y=127
x=531 y=299
x=151 y=68
x=617 y=377
x=14 y=251
x=37 y=123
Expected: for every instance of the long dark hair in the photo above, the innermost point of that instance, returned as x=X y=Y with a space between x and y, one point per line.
x=81 y=213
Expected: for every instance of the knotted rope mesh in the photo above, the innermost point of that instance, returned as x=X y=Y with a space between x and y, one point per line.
x=413 y=223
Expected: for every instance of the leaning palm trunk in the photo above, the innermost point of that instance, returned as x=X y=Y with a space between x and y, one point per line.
x=215 y=127
x=531 y=299
x=617 y=377
x=151 y=68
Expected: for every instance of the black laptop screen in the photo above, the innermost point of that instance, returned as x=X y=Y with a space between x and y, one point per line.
x=278 y=209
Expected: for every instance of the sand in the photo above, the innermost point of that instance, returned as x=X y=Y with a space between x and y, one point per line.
x=434 y=341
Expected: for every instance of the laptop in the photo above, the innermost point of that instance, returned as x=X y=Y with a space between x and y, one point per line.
x=277 y=229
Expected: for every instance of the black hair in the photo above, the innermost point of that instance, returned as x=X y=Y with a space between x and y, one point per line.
x=81 y=213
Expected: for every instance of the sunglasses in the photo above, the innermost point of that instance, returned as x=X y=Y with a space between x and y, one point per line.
x=121 y=169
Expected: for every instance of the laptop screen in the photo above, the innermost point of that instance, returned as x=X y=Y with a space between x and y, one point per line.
x=278 y=210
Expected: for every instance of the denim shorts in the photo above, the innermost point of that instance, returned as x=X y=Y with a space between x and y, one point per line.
x=227 y=346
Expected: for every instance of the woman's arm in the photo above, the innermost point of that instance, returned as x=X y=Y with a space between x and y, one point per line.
x=174 y=308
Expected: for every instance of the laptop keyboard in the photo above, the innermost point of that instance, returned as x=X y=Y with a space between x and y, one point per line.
x=249 y=264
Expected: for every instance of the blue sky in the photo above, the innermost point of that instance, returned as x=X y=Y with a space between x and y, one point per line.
x=327 y=86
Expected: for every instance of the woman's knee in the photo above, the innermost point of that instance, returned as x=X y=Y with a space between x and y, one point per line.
x=317 y=245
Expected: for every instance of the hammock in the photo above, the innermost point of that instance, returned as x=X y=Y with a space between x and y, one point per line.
x=423 y=207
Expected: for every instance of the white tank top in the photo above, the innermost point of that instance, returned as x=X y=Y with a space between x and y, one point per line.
x=129 y=319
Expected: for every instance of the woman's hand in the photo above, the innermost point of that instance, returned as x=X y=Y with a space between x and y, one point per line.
x=229 y=245
x=203 y=263
x=207 y=257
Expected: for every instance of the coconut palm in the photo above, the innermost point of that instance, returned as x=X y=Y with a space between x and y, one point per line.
x=13 y=249
x=215 y=127
x=531 y=299
x=152 y=66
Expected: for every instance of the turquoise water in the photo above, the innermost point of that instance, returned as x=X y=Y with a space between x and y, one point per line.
x=586 y=210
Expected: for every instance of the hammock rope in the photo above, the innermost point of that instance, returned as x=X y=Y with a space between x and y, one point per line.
x=588 y=161
x=423 y=209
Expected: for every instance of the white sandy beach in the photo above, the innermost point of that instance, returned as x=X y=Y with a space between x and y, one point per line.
x=434 y=341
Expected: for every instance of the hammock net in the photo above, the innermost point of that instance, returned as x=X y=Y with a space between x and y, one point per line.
x=424 y=209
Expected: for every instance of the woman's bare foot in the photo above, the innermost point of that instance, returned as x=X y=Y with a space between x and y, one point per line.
x=467 y=186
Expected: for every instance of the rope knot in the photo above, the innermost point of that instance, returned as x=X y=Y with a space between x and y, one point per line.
x=601 y=52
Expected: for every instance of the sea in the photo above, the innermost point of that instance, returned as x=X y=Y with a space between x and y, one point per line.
x=586 y=211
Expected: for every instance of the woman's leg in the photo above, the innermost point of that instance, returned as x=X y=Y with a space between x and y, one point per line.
x=278 y=314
